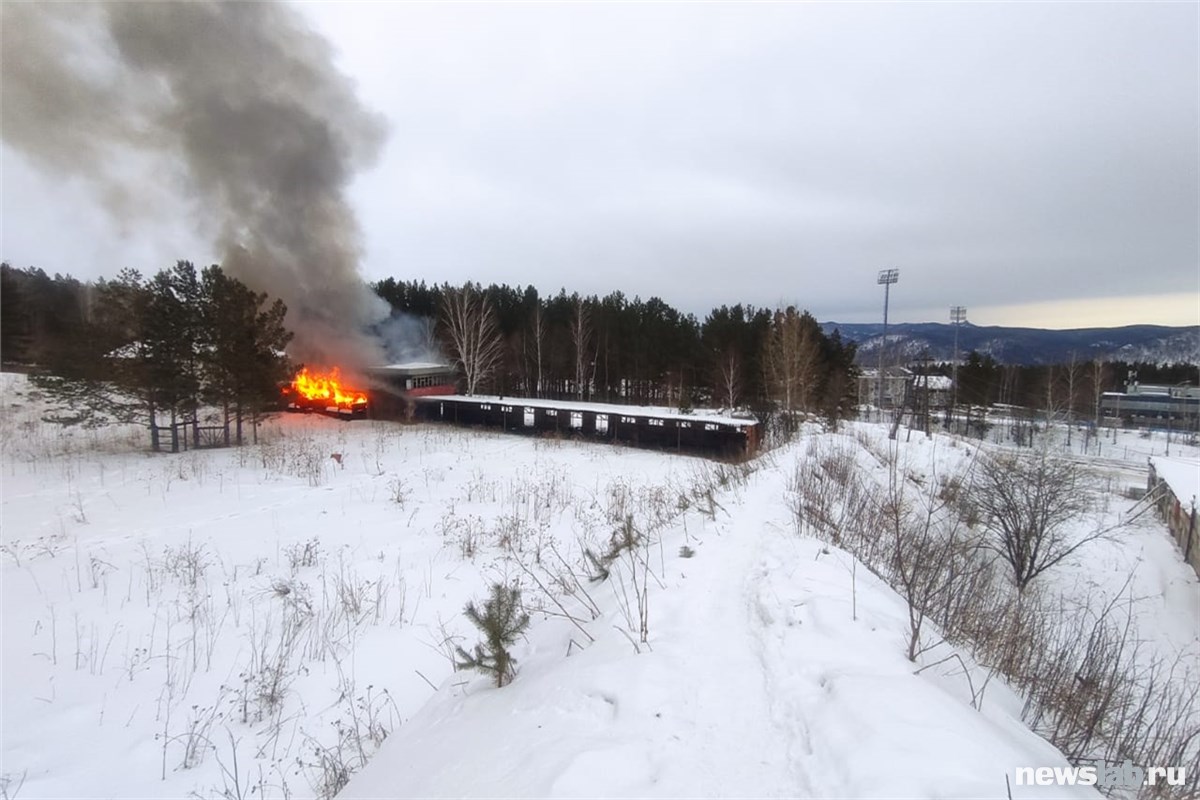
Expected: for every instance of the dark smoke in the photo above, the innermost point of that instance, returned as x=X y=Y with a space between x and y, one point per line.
x=239 y=106
x=409 y=339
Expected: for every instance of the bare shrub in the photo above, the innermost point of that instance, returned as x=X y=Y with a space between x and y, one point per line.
x=10 y=784
x=399 y=491
x=1092 y=692
x=829 y=497
x=1028 y=502
x=186 y=563
x=631 y=565
x=303 y=554
x=1088 y=684
x=468 y=533
x=624 y=538
x=331 y=766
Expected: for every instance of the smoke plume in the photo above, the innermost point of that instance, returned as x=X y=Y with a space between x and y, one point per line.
x=235 y=104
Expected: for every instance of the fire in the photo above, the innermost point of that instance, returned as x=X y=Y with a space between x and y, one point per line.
x=317 y=388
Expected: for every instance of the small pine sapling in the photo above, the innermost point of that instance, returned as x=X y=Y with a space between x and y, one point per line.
x=623 y=540
x=501 y=622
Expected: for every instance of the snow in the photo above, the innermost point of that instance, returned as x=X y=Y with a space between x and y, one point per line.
x=658 y=412
x=1182 y=475
x=147 y=600
x=759 y=683
x=410 y=365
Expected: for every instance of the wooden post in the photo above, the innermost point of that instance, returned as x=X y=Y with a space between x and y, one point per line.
x=1191 y=534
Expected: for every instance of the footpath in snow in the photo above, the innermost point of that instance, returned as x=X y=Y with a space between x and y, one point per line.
x=775 y=667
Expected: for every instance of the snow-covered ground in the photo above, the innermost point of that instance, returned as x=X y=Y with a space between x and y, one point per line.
x=253 y=622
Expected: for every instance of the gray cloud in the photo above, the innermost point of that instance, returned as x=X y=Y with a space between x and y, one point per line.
x=999 y=154
x=995 y=154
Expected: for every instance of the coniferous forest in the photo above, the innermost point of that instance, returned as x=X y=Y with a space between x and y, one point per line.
x=564 y=346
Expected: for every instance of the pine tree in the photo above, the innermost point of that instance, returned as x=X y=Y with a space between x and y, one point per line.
x=170 y=338
x=244 y=342
x=154 y=349
x=100 y=374
x=501 y=622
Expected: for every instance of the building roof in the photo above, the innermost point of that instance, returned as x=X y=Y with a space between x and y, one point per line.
x=656 y=412
x=891 y=372
x=1182 y=475
x=412 y=368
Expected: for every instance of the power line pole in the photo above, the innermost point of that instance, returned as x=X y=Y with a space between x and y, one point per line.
x=886 y=277
x=958 y=315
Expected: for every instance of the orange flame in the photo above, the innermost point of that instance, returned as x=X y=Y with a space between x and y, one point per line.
x=326 y=386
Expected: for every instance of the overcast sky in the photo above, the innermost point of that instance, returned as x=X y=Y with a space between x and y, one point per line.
x=1036 y=163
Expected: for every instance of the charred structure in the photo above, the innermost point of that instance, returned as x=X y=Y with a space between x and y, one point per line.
x=394 y=387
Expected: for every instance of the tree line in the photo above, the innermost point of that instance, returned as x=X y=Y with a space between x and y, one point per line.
x=159 y=349
x=154 y=351
x=514 y=341
x=1073 y=387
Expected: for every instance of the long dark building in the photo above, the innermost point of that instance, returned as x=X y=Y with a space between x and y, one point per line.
x=701 y=434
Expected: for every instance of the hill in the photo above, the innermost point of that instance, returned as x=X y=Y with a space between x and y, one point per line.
x=1157 y=344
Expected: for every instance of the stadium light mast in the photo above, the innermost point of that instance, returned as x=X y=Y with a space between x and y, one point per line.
x=886 y=277
x=958 y=315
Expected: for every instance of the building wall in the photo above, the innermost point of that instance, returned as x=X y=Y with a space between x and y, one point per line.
x=700 y=437
x=392 y=391
x=895 y=389
x=1180 y=519
x=1182 y=412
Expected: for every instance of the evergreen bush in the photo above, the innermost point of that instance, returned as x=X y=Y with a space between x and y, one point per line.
x=500 y=622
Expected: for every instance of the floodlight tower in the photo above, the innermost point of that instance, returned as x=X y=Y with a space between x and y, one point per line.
x=886 y=277
x=958 y=315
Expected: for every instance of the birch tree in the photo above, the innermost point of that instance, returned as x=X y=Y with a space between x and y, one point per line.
x=730 y=378
x=581 y=339
x=1099 y=378
x=792 y=359
x=536 y=340
x=474 y=339
x=1072 y=376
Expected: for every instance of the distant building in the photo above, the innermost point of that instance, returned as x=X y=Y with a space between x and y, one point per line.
x=1148 y=404
x=940 y=389
x=934 y=391
x=895 y=386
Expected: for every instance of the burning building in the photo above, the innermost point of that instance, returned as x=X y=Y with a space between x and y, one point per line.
x=325 y=392
x=428 y=391
x=393 y=386
x=386 y=393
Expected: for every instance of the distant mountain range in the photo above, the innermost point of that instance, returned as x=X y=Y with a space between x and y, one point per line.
x=1156 y=344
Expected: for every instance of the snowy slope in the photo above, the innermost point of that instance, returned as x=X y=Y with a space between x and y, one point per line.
x=174 y=610
x=760 y=683
x=254 y=622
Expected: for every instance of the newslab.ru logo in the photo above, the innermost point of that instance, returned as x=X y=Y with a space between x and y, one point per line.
x=1125 y=775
